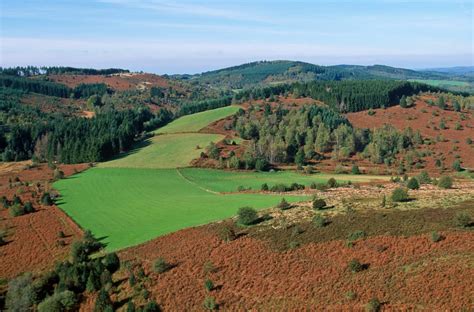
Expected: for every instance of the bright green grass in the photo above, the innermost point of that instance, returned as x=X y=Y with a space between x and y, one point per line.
x=195 y=122
x=131 y=206
x=166 y=151
x=438 y=83
x=229 y=181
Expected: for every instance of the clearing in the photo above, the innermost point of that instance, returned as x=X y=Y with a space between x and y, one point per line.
x=130 y=206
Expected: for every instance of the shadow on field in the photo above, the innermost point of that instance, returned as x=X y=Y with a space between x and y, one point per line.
x=136 y=147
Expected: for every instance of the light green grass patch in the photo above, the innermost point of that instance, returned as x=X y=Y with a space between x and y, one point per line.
x=130 y=206
x=195 y=122
x=229 y=181
x=439 y=83
x=166 y=151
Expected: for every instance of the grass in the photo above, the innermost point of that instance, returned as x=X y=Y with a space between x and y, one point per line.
x=166 y=151
x=438 y=83
x=228 y=181
x=195 y=122
x=130 y=206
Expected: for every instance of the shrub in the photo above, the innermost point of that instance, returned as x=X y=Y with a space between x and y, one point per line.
x=283 y=205
x=111 y=262
x=332 y=182
x=264 y=187
x=445 y=182
x=16 y=210
x=46 y=199
x=355 y=266
x=20 y=295
x=247 y=216
x=160 y=265
x=424 y=177
x=28 y=207
x=309 y=169
x=58 y=302
x=261 y=164
x=208 y=284
x=413 y=184
x=58 y=174
x=384 y=201
x=210 y=304
x=151 y=306
x=3 y=234
x=319 y=186
x=436 y=237
x=373 y=305
x=226 y=233
x=463 y=220
x=355 y=169
x=209 y=267
x=356 y=235
x=320 y=221
x=103 y=302
x=399 y=195
x=319 y=204
x=457 y=165
x=280 y=188
x=339 y=169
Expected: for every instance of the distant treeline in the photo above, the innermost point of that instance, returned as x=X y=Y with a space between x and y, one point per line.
x=28 y=71
x=52 y=88
x=345 y=96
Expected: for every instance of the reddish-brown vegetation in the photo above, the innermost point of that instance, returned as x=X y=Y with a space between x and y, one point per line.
x=427 y=119
x=403 y=272
x=32 y=239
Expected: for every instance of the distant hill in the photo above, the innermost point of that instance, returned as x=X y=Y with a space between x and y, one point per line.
x=458 y=70
x=274 y=72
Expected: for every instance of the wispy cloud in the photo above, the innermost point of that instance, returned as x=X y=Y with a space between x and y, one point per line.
x=184 y=8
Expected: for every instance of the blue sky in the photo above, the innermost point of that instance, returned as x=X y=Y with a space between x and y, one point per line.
x=193 y=36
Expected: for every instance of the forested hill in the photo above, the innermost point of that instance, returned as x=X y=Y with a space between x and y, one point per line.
x=273 y=72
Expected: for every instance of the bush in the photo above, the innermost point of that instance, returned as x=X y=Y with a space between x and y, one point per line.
x=111 y=262
x=103 y=302
x=424 y=177
x=320 y=221
x=226 y=233
x=463 y=219
x=160 y=265
x=151 y=306
x=413 y=184
x=355 y=169
x=16 y=210
x=319 y=186
x=280 y=188
x=373 y=305
x=20 y=295
x=399 y=195
x=436 y=237
x=208 y=284
x=445 y=182
x=355 y=266
x=58 y=302
x=46 y=199
x=332 y=182
x=28 y=207
x=319 y=204
x=264 y=187
x=283 y=205
x=457 y=165
x=210 y=304
x=247 y=216
x=356 y=235
x=58 y=174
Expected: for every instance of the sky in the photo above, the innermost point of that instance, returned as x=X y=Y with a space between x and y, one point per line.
x=194 y=36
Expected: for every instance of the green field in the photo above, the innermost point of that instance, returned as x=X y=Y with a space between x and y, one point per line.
x=130 y=206
x=229 y=181
x=166 y=151
x=440 y=83
x=195 y=122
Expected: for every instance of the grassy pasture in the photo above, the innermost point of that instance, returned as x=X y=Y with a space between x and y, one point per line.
x=195 y=122
x=130 y=206
x=440 y=83
x=165 y=151
x=228 y=181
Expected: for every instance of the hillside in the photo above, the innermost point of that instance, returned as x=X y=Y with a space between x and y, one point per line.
x=271 y=72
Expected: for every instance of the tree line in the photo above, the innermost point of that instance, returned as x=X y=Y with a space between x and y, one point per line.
x=27 y=71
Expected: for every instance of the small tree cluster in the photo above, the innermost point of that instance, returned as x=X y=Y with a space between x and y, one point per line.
x=247 y=216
